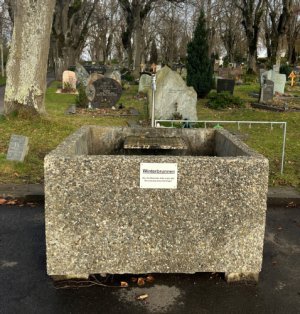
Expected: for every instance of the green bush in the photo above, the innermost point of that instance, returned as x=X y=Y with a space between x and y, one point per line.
x=81 y=99
x=223 y=100
x=285 y=69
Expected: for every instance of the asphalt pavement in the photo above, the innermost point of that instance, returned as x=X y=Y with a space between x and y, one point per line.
x=26 y=288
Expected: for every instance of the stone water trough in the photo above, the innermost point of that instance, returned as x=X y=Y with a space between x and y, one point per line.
x=141 y=200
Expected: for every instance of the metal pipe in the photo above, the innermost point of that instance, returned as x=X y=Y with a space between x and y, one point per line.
x=153 y=100
x=283 y=147
x=284 y=124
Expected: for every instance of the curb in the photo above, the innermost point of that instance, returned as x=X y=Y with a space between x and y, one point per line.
x=23 y=192
x=278 y=196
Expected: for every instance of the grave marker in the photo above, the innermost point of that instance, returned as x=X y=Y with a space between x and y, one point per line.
x=225 y=85
x=267 y=91
x=106 y=93
x=18 y=148
x=69 y=80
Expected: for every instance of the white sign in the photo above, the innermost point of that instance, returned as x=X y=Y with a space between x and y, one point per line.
x=158 y=176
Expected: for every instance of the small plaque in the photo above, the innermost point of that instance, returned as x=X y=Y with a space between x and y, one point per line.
x=158 y=176
x=18 y=148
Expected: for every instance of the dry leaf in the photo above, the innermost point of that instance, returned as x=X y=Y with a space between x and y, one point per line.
x=2 y=201
x=12 y=202
x=149 y=278
x=142 y=297
x=134 y=279
x=124 y=284
x=141 y=281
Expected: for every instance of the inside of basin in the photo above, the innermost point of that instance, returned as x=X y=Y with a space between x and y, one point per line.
x=162 y=141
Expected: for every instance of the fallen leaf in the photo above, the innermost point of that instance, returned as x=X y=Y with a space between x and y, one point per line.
x=124 y=284
x=11 y=202
x=2 y=201
x=142 y=297
x=134 y=279
x=141 y=281
x=149 y=278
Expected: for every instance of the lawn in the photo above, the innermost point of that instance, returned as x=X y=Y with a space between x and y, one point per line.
x=46 y=133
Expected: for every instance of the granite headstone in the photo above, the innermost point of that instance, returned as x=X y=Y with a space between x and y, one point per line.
x=144 y=83
x=267 y=91
x=107 y=92
x=82 y=74
x=225 y=85
x=18 y=148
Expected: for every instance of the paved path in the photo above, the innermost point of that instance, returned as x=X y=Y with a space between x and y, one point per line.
x=26 y=288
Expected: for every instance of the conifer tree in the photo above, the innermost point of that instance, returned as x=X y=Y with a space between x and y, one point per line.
x=199 y=63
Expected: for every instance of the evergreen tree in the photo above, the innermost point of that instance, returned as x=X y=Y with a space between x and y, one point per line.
x=153 y=53
x=199 y=63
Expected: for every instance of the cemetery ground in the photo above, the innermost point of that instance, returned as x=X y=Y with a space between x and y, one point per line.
x=47 y=132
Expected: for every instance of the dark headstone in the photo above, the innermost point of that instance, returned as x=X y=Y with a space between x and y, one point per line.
x=107 y=93
x=225 y=85
x=266 y=91
x=18 y=148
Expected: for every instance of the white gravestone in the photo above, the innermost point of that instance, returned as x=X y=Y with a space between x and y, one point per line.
x=278 y=79
x=69 y=79
x=144 y=83
x=18 y=148
x=173 y=96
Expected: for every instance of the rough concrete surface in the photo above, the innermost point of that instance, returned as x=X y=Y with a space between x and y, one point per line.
x=26 y=288
x=99 y=220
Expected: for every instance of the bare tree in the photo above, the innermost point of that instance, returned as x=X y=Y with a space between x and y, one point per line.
x=27 y=64
x=252 y=13
x=70 y=28
x=136 y=12
x=279 y=14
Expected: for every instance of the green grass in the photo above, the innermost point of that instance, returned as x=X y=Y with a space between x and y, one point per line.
x=2 y=80
x=46 y=133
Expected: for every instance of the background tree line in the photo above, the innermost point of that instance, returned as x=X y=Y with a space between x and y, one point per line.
x=131 y=32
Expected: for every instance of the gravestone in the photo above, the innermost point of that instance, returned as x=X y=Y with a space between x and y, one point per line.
x=144 y=83
x=115 y=75
x=276 y=68
x=81 y=74
x=225 y=85
x=267 y=91
x=173 y=96
x=279 y=82
x=18 y=148
x=69 y=80
x=90 y=89
x=104 y=92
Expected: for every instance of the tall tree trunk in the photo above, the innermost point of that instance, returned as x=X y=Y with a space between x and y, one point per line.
x=137 y=39
x=27 y=63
